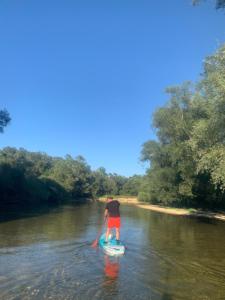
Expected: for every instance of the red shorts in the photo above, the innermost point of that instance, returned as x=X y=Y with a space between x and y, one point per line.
x=114 y=222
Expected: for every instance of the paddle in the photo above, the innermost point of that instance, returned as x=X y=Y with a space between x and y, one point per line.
x=95 y=243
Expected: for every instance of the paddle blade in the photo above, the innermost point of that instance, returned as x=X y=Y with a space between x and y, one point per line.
x=94 y=244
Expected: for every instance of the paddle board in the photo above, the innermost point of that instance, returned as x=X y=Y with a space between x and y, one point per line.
x=112 y=247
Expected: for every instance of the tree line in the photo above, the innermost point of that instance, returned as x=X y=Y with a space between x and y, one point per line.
x=33 y=178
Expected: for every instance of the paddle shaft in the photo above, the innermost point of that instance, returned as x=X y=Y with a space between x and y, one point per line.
x=99 y=233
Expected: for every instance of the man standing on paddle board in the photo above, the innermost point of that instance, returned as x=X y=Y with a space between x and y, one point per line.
x=112 y=212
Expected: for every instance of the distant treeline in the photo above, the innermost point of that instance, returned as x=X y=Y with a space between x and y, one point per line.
x=28 y=178
x=187 y=162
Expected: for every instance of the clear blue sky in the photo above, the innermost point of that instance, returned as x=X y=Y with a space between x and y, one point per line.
x=84 y=77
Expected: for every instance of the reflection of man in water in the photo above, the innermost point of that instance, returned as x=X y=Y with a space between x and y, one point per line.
x=112 y=212
x=111 y=268
x=111 y=272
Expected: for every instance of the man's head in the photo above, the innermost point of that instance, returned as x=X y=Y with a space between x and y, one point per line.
x=109 y=199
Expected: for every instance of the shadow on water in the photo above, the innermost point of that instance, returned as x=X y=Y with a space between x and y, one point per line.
x=16 y=212
x=205 y=219
x=209 y=217
x=46 y=225
x=166 y=297
x=13 y=212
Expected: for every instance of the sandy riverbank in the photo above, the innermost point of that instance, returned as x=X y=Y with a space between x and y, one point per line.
x=130 y=200
x=170 y=210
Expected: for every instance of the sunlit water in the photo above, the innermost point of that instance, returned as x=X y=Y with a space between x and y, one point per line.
x=49 y=256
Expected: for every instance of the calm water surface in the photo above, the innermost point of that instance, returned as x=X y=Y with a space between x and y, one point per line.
x=48 y=256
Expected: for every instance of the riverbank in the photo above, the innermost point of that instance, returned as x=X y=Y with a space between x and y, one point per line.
x=170 y=210
x=123 y=199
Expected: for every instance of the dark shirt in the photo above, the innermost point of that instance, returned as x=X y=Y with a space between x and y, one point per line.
x=113 y=208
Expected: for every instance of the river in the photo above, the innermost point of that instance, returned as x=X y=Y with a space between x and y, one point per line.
x=48 y=255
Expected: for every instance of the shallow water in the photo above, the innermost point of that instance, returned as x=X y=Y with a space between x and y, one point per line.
x=49 y=256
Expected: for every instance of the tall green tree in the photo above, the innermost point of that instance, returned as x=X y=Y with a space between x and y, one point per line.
x=132 y=185
x=4 y=119
x=74 y=175
x=187 y=160
x=172 y=168
x=208 y=135
x=219 y=3
x=100 y=185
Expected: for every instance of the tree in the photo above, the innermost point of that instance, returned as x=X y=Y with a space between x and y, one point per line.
x=187 y=165
x=100 y=185
x=30 y=178
x=208 y=136
x=219 y=3
x=132 y=185
x=4 y=119
x=74 y=175
x=171 y=174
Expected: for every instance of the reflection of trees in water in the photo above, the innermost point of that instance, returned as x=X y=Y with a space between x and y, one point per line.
x=67 y=222
x=166 y=296
x=188 y=252
x=178 y=257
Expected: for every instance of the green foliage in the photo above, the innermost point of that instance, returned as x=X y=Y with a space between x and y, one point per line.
x=219 y=3
x=145 y=197
x=132 y=185
x=74 y=175
x=187 y=165
x=100 y=182
x=30 y=178
x=108 y=184
x=117 y=182
x=4 y=119
x=171 y=173
x=208 y=135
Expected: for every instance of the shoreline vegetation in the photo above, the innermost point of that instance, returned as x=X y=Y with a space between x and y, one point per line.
x=31 y=179
x=188 y=212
